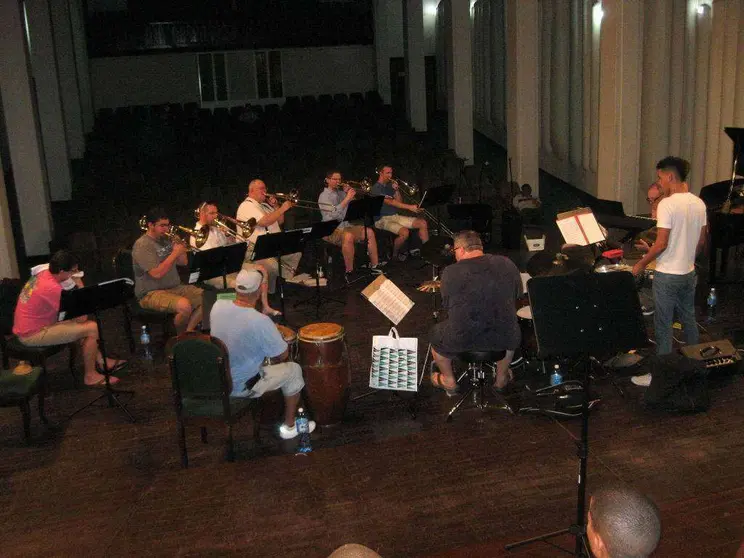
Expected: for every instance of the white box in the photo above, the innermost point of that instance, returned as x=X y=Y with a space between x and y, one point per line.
x=535 y=244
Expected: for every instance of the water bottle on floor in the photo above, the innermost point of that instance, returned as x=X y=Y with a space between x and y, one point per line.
x=145 y=342
x=303 y=430
x=556 y=377
x=712 y=302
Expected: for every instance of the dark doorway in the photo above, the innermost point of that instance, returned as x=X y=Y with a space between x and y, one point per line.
x=398 y=84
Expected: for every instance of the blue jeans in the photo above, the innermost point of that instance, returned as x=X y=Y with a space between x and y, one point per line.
x=674 y=292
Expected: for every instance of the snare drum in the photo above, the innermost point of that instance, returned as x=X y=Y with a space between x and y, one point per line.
x=325 y=366
x=611 y=268
x=290 y=338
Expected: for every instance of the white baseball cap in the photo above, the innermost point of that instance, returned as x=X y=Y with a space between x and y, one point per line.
x=248 y=281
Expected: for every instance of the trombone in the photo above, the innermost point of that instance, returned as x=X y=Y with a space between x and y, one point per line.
x=409 y=191
x=293 y=196
x=243 y=229
x=200 y=235
x=365 y=186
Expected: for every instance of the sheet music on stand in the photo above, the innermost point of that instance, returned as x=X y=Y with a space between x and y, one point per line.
x=388 y=299
x=580 y=227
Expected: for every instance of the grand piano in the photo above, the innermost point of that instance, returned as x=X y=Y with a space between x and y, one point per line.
x=725 y=203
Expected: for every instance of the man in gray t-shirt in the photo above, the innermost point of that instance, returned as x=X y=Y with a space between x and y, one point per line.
x=156 y=282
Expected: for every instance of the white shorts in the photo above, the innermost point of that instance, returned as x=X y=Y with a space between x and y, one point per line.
x=286 y=376
x=393 y=223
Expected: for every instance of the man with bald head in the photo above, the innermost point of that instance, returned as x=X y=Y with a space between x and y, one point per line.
x=269 y=215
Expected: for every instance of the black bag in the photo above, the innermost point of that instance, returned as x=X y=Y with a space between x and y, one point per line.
x=678 y=383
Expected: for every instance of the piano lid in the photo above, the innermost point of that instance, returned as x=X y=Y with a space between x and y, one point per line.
x=737 y=136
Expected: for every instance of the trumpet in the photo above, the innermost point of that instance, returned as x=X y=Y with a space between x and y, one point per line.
x=293 y=196
x=246 y=227
x=200 y=235
x=409 y=191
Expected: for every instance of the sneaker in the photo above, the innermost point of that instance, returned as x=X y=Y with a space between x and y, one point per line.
x=298 y=279
x=647 y=311
x=415 y=253
x=289 y=432
x=643 y=380
x=402 y=257
x=375 y=269
x=311 y=282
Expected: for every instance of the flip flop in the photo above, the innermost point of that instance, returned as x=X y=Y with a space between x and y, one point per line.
x=273 y=313
x=510 y=378
x=436 y=380
x=113 y=380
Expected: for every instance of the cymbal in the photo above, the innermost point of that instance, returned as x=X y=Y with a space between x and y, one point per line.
x=430 y=286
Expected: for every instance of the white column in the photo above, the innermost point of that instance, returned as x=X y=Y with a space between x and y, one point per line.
x=576 y=112
x=687 y=130
x=732 y=17
x=545 y=34
x=560 y=78
x=460 y=94
x=80 y=44
x=8 y=259
x=68 y=82
x=619 y=101
x=656 y=87
x=21 y=123
x=522 y=90
x=715 y=135
x=700 y=102
x=49 y=102
x=413 y=42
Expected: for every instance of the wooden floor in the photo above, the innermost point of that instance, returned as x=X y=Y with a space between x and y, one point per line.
x=99 y=486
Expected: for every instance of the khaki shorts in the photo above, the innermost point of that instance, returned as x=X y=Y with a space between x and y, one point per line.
x=393 y=223
x=286 y=376
x=166 y=300
x=60 y=333
x=337 y=236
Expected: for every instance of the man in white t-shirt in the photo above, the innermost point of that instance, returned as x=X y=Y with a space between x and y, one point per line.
x=681 y=223
x=217 y=238
x=250 y=337
x=268 y=215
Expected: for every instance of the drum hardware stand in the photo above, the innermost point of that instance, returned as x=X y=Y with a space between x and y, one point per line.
x=316 y=234
x=604 y=315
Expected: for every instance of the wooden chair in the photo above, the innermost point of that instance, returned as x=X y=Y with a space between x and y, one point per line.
x=200 y=373
x=12 y=347
x=19 y=389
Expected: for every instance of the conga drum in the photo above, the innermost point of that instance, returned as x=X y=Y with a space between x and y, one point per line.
x=325 y=366
x=290 y=338
x=272 y=403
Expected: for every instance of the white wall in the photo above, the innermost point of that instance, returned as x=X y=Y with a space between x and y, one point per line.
x=173 y=78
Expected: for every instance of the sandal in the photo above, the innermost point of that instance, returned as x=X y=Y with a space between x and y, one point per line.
x=272 y=313
x=113 y=380
x=509 y=378
x=118 y=365
x=436 y=381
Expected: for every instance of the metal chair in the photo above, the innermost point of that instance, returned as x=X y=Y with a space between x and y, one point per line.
x=476 y=362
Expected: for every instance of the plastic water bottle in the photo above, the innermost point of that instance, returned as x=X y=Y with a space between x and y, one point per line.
x=556 y=377
x=319 y=270
x=145 y=342
x=303 y=429
x=712 y=302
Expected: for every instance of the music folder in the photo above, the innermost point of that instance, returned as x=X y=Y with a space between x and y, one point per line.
x=579 y=227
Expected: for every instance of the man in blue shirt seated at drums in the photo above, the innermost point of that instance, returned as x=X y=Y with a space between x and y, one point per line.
x=252 y=339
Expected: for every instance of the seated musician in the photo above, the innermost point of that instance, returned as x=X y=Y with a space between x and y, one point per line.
x=346 y=234
x=35 y=319
x=216 y=238
x=250 y=338
x=645 y=240
x=157 y=285
x=392 y=221
x=268 y=215
x=479 y=293
x=527 y=205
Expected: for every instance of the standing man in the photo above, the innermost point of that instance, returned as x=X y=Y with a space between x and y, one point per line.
x=392 y=221
x=250 y=337
x=345 y=234
x=268 y=215
x=157 y=285
x=681 y=227
x=216 y=238
x=479 y=294
x=35 y=319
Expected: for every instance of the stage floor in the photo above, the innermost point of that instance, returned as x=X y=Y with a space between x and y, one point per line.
x=99 y=486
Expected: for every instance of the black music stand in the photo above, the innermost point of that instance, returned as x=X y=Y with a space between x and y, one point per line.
x=276 y=245
x=92 y=300
x=217 y=262
x=316 y=233
x=596 y=313
x=436 y=196
x=364 y=209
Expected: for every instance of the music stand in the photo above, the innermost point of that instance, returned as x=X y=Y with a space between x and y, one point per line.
x=92 y=300
x=365 y=209
x=276 y=245
x=216 y=262
x=596 y=313
x=436 y=196
x=316 y=233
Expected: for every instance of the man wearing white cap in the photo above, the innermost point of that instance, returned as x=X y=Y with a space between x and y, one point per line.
x=35 y=319
x=250 y=337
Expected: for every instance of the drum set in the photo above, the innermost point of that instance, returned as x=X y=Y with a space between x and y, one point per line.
x=320 y=349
